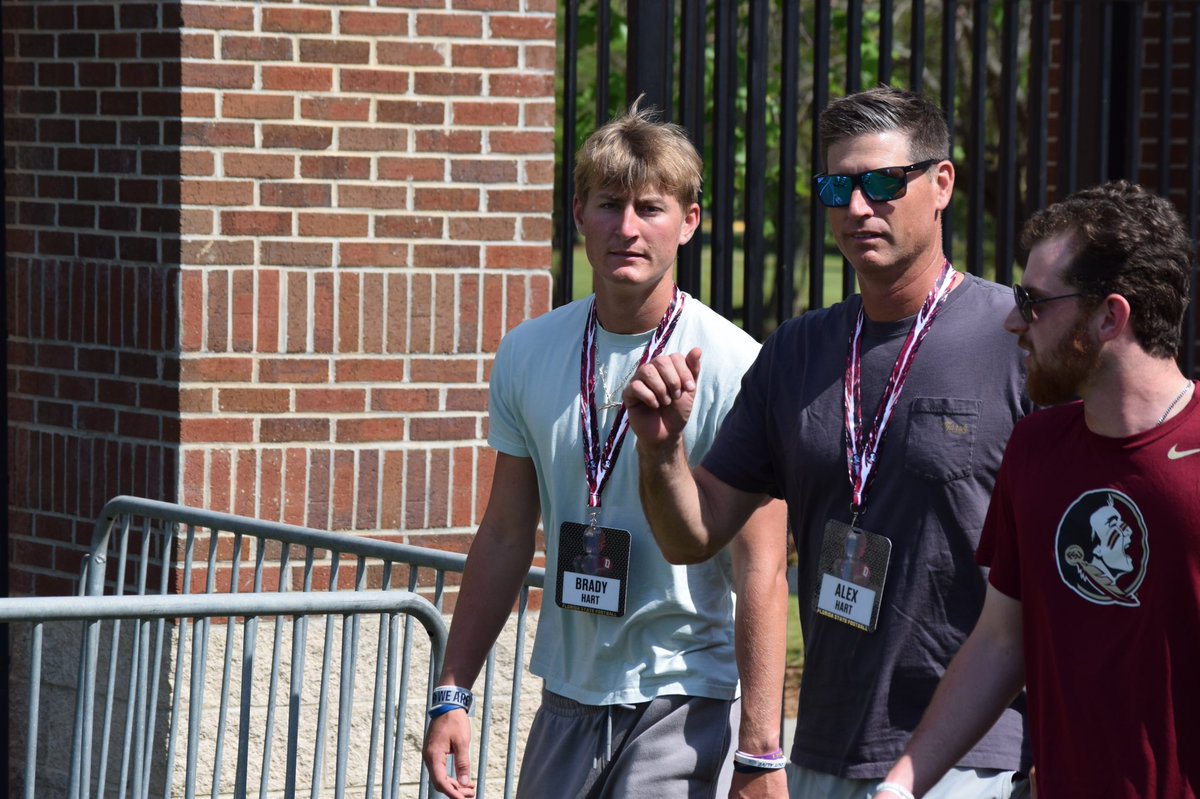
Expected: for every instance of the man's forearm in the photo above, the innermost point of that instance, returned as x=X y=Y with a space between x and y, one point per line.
x=672 y=503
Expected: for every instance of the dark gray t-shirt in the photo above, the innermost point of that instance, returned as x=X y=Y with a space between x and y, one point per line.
x=862 y=693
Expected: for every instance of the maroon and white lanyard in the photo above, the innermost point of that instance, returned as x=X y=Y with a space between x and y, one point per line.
x=861 y=455
x=597 y=462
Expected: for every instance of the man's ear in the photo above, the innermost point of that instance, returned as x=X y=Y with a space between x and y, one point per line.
x=1112 y=317
x=691 y=221
x=943 y=182
x=577 y=211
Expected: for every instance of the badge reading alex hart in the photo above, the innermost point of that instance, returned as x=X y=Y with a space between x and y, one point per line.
x=593 y=569
x=853 y=570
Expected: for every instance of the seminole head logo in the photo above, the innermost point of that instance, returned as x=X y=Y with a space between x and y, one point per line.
x=1102 y=548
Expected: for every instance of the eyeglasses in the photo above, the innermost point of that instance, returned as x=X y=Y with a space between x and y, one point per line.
x=879 y=185
x=1025 y=303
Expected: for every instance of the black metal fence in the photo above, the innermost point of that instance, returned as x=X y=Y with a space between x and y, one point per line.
x=1043 y=97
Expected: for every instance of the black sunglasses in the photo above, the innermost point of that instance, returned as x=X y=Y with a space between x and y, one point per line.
x=1025 y=303
x=879 y=185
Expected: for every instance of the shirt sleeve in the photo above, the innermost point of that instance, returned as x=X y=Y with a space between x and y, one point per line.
x=998 y=543
x=506 y=432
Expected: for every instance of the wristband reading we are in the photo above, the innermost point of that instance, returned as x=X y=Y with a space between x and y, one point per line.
x=450 y=697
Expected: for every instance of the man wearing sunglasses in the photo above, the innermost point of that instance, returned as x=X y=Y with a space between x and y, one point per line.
x=882 y=422
x=1093 y=601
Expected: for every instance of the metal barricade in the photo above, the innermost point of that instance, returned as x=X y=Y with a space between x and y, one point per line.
x=166 y=565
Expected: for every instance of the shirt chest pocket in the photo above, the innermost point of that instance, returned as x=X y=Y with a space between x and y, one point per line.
x=940 y=441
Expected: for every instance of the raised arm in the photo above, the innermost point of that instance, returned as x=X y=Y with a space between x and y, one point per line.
x=692 y=514
x=496 y=567
x=983 y=679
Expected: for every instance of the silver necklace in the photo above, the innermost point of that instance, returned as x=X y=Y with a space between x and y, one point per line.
x=1174 y=402
x=611 y=395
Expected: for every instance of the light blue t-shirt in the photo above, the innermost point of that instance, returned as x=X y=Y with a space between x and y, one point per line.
x=676 y=636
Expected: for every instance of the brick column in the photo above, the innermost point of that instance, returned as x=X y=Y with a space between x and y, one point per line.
x=260 y=257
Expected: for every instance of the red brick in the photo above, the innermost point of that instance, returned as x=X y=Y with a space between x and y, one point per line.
x=253 y=400
x=333 y=225
x=404 y=400
x=270 y=470
x=196 y=400
x=364 y=430
x=257 y=106
x=241 y=311
x=287 y=20
x=267 y=333
x=296 y=195
x=484 y=56
x=367 y=504
x=481 y=228
x=195 y=431
x=348 y=299
x=468 y=313
x=216 y=370
x=374 y=81
x=294 y=493
x=217 y=308
x=256 y=48
x=444 y=370
x=541 y=59
x=539 y=115
x=342 y=506
x=517 y=257
x=259 y=165
x=339 y=109
x=483 y=171
x=523 y=26
x=217 y=252
x=217 y=192
x=202 y=105
x=353 y=370
x=293 y=428
x=411 y=54
x=446 y=199
x=484 y=113
x=488 y=5
x=296 y=253
x=521 y=85
x=297 y=79
x=467 y=399
x=323 y=51
x=521 y=201
x=197 y=45
x=539 y=171
x=424 y=169
x=446 y=83
x=301 y=137
x=198 y=74
x=450 y=256
x=317 y=512
x=442 y=428
x=410 y=112
x=536 y=228
x=217 y=135
x=382 y=140
x=331 y=400
x=373 y=23
x=411 y=227
x=218 y=17
x=293 y=370
x=372 y=196
x=296 y=335
x=372 y=254
x=449 y=141
x=321 y=320
x=256 y=223
x=330 y=167
x=523 y=142
x=466 y=26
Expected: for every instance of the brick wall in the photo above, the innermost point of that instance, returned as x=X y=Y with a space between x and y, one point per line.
x=260 y=255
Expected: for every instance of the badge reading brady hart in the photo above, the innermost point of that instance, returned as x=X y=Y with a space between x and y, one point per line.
x=853 y=570
x=593 y=568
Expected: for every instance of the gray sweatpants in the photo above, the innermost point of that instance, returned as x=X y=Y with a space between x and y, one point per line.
x=674 y=747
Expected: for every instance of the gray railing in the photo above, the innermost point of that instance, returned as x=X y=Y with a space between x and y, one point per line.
x=185 y=573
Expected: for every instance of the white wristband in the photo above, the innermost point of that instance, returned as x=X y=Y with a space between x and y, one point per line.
x=453 y=695
x=771 y=762
x=891 y=787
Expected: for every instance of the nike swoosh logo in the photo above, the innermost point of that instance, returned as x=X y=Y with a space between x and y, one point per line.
x=1176 y=454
